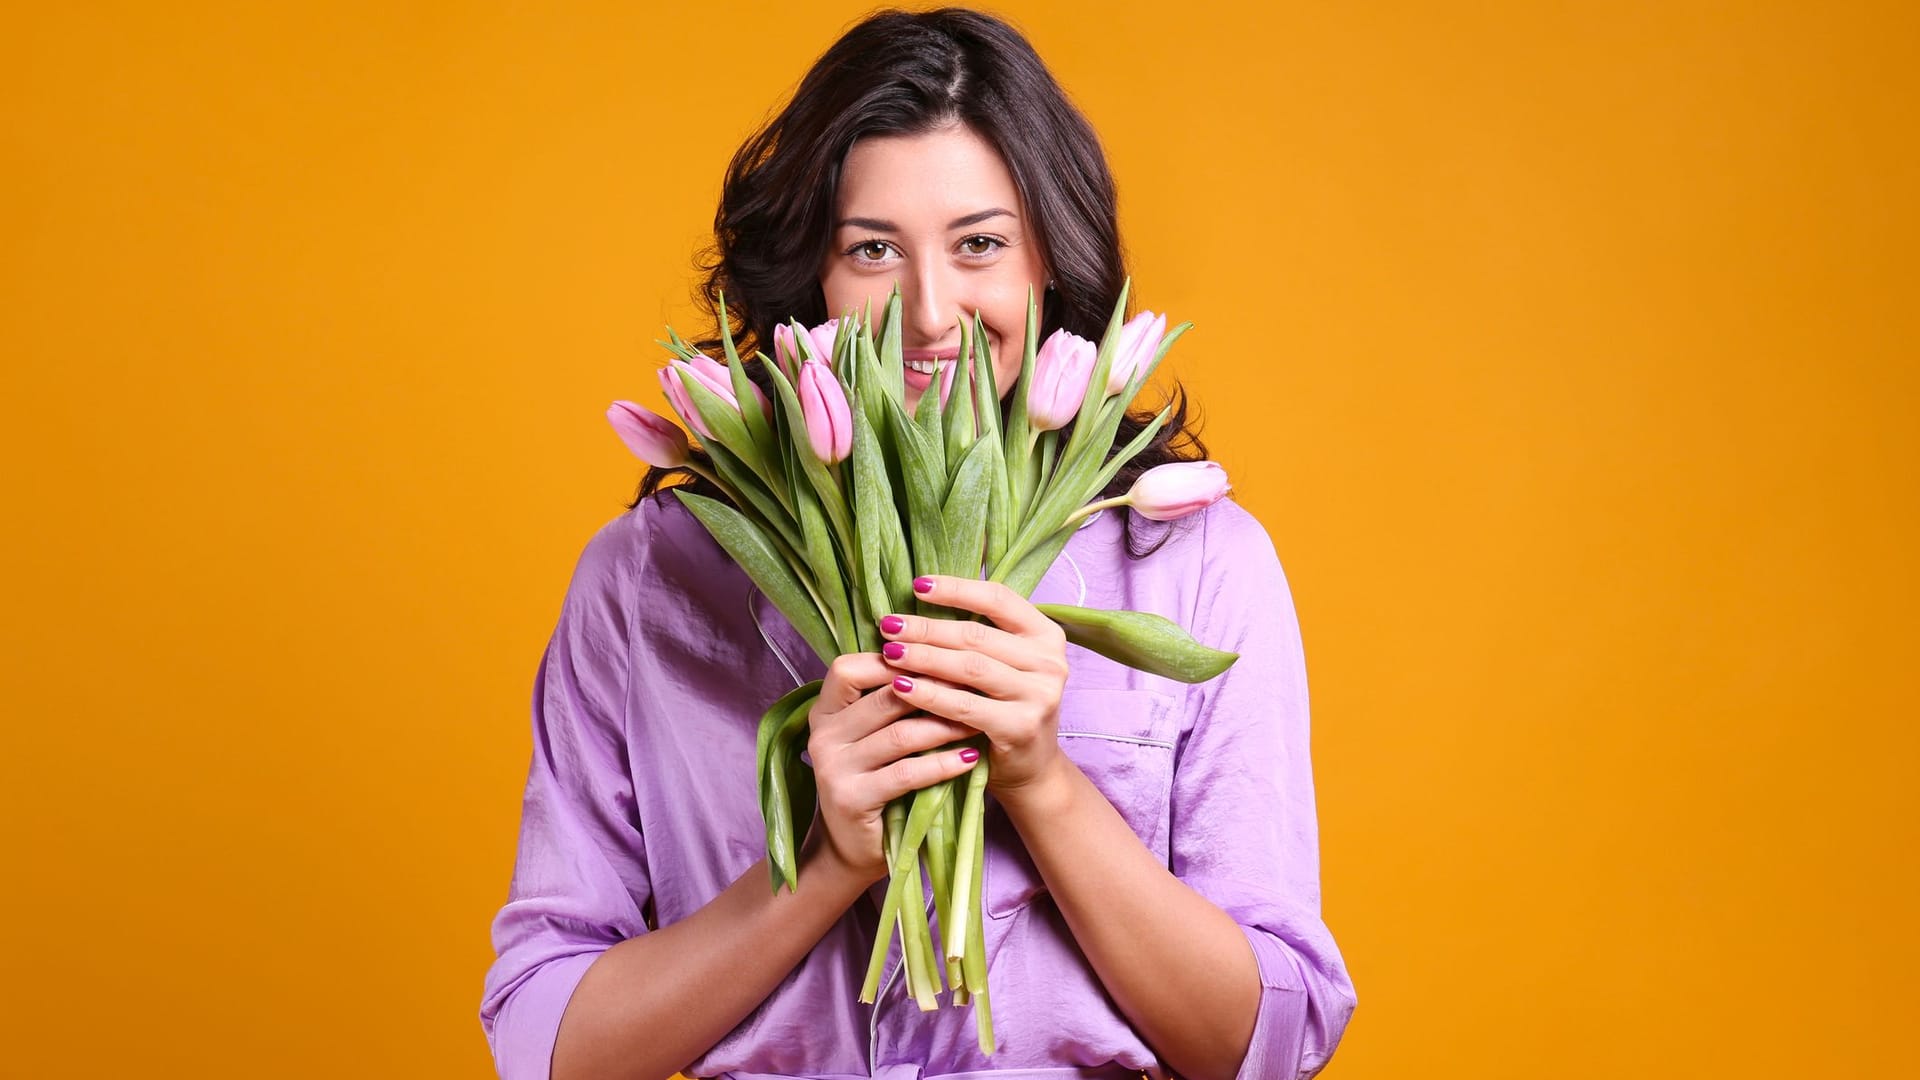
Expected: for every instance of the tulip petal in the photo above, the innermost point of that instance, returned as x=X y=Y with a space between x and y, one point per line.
x=651 y=437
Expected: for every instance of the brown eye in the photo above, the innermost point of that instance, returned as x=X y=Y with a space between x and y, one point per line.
x=980 y=245
x=872 y=251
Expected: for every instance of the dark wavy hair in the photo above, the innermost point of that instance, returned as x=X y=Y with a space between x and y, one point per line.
x=907 y=73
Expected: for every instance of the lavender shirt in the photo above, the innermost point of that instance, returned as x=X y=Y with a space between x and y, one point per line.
x=640 y=808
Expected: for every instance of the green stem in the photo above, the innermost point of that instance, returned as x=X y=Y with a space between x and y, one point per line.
x=967 y=861
x=917 y=942
x=1094 y=507
x=975 y=965
x=889 y=910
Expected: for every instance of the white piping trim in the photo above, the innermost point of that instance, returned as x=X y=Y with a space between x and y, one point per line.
x=1162 y=743
x=754 y=614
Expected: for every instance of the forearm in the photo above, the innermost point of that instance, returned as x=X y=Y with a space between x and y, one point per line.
x=652 y=1004
x=1177 y=966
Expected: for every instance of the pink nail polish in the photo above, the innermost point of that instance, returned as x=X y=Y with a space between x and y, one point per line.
x=969 y=755
x=892 y=624
x=893 y=650
x=902 y=685
x=923 y=585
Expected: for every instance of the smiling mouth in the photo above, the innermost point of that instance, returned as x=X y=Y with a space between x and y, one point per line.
x=921 y=360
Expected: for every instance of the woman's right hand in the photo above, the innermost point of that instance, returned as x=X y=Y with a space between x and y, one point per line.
x=863 y=739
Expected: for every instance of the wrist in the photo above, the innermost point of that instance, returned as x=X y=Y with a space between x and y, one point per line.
x=820 y=859
x=1045 y=794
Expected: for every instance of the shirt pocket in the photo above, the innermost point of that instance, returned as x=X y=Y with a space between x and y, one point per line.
x=1122 y=739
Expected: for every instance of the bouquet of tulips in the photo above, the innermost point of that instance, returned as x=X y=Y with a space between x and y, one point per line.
x=836 y=498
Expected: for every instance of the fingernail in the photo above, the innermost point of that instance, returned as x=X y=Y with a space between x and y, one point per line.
x=923 y=585
x=893 y=650
x=902 y=685
x=969 y=755
x=892 y=624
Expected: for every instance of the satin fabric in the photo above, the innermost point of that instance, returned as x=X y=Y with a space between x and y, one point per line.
x=640 y=807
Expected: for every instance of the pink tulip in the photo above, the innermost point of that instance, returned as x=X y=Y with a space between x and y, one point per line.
x=1177 y=489
x=1060 y=372
x=653 y=438
x=823 y=337
x=713 y=375
x=947 y=369
x=682 y=404
x=829 y=419
x=785 y=353
x=1139 y=340
x=790 y=354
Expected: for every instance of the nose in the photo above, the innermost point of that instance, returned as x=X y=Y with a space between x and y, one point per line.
x=932 y=301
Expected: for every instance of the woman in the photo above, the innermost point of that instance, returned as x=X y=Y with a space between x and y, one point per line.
x=1151 y=887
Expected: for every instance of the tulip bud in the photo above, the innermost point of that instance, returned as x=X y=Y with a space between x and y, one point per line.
x=716 y=377
x=1139 y=340
x=947 y=369
x=829 y=419
x=1177 y=489
x=822 y=337
x=1061 y=369
x=682 y=404
x=785 y=352
x=653 y=438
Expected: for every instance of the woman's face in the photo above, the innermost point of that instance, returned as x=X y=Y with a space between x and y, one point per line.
x=937 y=214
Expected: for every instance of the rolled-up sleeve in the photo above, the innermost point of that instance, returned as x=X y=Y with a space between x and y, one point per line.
x=1244 y=828
x=580 y=881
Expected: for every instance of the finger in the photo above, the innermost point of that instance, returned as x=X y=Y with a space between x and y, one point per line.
x=868 y=715
x=916 y=773
x=960 y=634
x=962 y=668
x=956 y=703
x=850 y=676
x=1008 y=609
x=903 y=737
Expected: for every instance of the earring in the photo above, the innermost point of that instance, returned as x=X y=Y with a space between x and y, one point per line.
x=1049 y=284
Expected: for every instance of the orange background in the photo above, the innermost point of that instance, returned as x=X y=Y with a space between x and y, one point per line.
x=1568 y=355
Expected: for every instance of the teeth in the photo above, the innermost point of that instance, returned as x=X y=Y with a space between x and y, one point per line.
x=924 y=367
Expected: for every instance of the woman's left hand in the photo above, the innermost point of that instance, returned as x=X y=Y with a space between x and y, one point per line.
x=1003 y=679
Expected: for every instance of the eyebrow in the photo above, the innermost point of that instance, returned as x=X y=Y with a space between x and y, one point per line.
x=879 y=225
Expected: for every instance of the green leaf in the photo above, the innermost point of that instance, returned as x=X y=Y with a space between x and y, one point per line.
x=773 y=722
x=1018 y=437
x=829 y=576
x=869 y=384
x=876 y=519
x=986 y=399
x=926 y=417
x=775 y=781
x=959 y=418
x=756 y=555
x=1097 y=381
x=802 y=793
x=926 y=486
x=743 y=389
x=1022 y=572
x=1126 y=454
x=1140 y=639
x=761 y=502
x=892 y=367
x=965 y=514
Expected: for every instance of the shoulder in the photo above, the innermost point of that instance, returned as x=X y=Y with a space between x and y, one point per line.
x=657 y=535
x=1230 y=532
x=654 y=562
